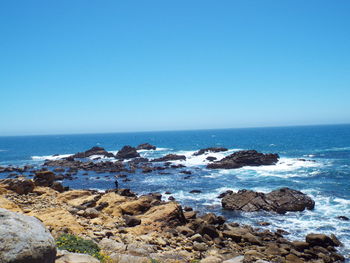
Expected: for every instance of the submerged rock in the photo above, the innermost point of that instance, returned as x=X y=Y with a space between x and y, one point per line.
x=170 y=157
x=146 y=146
x=211 y=149
x=127 y=152
x=24 y=239
x=281 y=201
x=244 y=158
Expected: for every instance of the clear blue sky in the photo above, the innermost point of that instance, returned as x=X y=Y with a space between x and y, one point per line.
x=107 y=66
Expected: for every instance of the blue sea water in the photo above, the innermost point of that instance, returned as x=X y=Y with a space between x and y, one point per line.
x=324 y=174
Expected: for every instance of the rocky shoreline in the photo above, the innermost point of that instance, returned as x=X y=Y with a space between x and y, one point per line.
x=132 y=228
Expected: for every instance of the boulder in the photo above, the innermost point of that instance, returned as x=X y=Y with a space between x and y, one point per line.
x=170 y=157
x=132 y=221
x=321 y=240
x=211 y=149
x=146 y=146
x=20 y=186
x=244 y=158
x=44 y=178
x=25 y=239
x=127 y=152
x=281 y=201
x=93 y=151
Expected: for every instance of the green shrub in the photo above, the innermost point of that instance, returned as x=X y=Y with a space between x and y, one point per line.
x=76 y=244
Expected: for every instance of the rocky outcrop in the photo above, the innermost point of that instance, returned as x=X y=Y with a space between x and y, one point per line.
x=20 y=186
x=127 y=152
x=24 y=239
x=210 y=149
x=44 y=178
x=146 y=146
x=244 y=158
x=139 y=228
x=280 y=201
x=93 y=151
x=170 y=157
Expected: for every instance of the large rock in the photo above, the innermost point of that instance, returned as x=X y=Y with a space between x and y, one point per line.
x=24 y=239
x=146 y=146
x=244 y=158
x=67 y=257
x=44 y=178
x=127 y=152
x=211 y=149
x=20 y=186
x=170 y=157
x=93 y=151
x=281 y=201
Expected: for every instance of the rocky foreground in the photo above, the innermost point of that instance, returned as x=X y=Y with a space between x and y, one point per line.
x=132 y=228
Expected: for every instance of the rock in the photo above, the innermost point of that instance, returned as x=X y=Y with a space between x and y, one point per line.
x=280 y=201
x=132 y=221
x=59 y=219
x=170 y=157
x=211 y=259
x=211 y=158
x=76 y=258
x=213 y=219
x=199 y=246
x=244 y=158
x=238 y=259
x=300 y=245
x=146 y=146
x=344 y=218
x=222 y=195
x=286 y=199
x=111 y=245
x=293 y=259
x=25 y=239
x=197 y=237
x=123 y=258
x=20 y=186
x=211 y=149
x=195 y=191
x=58 y=187
x=125 y=192
x=91 y=213
x=93 y=151
x=44 y=178
x=210 y=230
x=127 y=152
x=250 y=238
x=320 y=240
x=186 y=231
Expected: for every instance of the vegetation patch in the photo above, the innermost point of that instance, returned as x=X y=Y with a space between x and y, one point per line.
x=77 y=244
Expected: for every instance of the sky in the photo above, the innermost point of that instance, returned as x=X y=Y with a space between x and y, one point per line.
x=113 y=66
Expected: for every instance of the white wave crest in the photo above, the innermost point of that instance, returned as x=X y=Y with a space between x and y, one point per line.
x=192 y=160
x=50 y=157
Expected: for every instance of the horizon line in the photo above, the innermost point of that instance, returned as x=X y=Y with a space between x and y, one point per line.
x=176 y=130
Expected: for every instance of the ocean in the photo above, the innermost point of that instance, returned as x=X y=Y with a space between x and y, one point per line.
x=314 y=160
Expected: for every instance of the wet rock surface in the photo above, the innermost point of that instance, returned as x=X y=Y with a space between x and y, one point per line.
x=170 y=157
x=280 y=201
x=93 y=151
x=127 y=152
x=244 y=158
x=146 y=146
x=210 y=149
